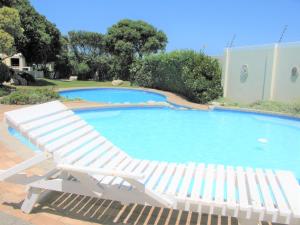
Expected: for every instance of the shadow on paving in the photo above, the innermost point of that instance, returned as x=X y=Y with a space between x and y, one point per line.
x=111 y=212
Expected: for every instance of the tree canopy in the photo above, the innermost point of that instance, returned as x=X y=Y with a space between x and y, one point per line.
x=86 y=45
x=10 y=29
x=135 y=37
x=41 y=40
x=129 y=39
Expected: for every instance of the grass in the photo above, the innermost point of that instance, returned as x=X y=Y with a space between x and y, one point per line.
x=268 y=106
x=47 y=83
x=44 y=90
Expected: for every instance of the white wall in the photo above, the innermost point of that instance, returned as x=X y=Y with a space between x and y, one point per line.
x=268 y=73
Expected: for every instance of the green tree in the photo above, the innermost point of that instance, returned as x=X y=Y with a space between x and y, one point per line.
x=129 y=39
x=10 y=29
x=41 y=40
x=88 y=55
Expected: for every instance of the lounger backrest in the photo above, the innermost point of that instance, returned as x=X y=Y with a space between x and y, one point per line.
x=20 y=116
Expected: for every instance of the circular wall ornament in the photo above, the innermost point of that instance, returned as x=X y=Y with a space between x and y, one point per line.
x=244 y=73
x=294 y=73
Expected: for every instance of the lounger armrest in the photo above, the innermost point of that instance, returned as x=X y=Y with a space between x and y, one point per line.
x=105 y=172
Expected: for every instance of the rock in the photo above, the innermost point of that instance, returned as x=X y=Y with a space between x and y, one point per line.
x=73 y=78
x=117 y=82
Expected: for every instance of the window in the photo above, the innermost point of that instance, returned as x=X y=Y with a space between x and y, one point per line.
x=15 y=61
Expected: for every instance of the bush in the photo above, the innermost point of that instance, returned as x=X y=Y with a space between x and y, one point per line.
x=30 y=96
x=193 y=75
x=5 y=73
x=82 y=71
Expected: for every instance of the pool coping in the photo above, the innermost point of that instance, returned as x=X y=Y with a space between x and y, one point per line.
x=171 y=98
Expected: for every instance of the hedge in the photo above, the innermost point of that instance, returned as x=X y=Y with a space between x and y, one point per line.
x=188 y=73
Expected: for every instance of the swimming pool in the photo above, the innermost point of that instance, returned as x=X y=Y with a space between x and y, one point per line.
x=114 y=95
x=216 y=137
x=211 y=137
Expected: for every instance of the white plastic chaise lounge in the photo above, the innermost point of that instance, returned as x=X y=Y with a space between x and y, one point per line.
x=102 y=170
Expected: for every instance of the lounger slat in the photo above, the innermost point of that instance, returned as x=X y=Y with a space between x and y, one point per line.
x=242 y=189
x=166 y=177
x=291 y=190
x=281 y=203
x=27 y=114
x=187 y=180
x=175 y=180
x=47 y=120
x=220 y=182
x=209 y=181
x=124 y=184
x=84 y=150
x=65 y=124
x=196 y=190
x=121 y=166
x=59 y=133
x=53 y=146
x=156 y=175
x=268 y=201
x=112 y=164
x=150 y=168
x=231 y=188
x=103 y=160
x=61 y=152
x=255 y=200
x=95 y=154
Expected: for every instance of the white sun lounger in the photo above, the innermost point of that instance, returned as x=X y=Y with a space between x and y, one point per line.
x=87 y=163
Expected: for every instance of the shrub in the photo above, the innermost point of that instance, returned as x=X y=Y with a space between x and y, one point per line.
x=30 y=96
x=5 y=73
x=193 y=75
x=82 y=70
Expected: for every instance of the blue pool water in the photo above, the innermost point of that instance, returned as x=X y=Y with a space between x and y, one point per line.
x=218 y=137
x=114 y=95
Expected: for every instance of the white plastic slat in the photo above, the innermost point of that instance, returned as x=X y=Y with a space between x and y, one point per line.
x=255 y=200
x=112 y=164
x=65 y=123
x=61 y=152
x=231 y=188
x=176 y=179
x=83 y=151
x=268 y=201
x=46 y=120
x=196 y=190
x=156 y=175
x=291 y=189
x=106 y=158
x=220 y=182
x=281 y=203
x=94 y=155
x=149 y=170
x=242 y=189
x=66 y=139
x=187 y=180
x=120 y=167
x=166 y=177
x=40 y=141
x=209 y=181
x=23 y=115
x=129 y=169
x=138 y=170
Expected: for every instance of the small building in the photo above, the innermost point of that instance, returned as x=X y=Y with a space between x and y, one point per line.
x=16 y=62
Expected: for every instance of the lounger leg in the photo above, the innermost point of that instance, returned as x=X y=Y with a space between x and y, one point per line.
x=247 y=222
x=31 y=199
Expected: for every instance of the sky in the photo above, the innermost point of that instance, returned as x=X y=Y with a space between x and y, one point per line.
x=189 y=24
